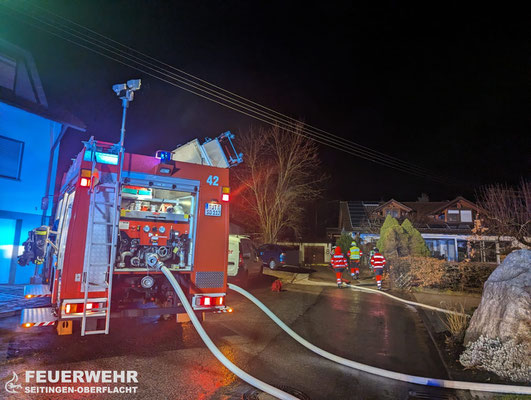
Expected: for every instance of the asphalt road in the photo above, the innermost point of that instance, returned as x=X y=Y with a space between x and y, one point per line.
x=173 y=363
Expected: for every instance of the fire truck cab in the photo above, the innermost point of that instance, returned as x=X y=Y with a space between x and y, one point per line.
x=120 y=217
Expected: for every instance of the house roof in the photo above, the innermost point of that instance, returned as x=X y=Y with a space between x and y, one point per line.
x=454 y=201
x=423 y=208
x=398 y=203
x=359 y=212
x=61 y=116
x=26 y=91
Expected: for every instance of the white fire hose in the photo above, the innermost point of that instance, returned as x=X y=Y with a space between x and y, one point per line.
x=419 y=380
x=218 y=354
x=366 y=289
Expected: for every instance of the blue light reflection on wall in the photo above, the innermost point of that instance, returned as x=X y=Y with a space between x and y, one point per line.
x=21 y=199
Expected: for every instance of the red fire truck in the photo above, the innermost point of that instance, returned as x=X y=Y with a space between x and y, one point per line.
x=121 y=217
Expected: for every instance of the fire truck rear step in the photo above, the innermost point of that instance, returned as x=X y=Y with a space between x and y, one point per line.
x=42 y=316
x=37 y=291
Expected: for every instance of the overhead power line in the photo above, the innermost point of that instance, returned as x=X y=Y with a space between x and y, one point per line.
x=321 y=139
x=207 y=90
x=282 y=116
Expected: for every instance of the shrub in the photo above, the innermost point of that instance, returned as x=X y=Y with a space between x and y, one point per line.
x=427 y=271
x=473 y=275
x=344 y=242
x=456 y=324
x=508 y=359
x=401 y=240
x=415 y=242
x=398 y=269
x=431 y=272
x=389 y=223
x=396 y=243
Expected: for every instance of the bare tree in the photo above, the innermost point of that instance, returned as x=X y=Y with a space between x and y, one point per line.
x=508 y=210
x=280 y=173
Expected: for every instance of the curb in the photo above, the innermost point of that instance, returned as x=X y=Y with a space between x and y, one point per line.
x=427 y=324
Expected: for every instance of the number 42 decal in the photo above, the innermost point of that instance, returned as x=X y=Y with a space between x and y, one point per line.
x=212 y=180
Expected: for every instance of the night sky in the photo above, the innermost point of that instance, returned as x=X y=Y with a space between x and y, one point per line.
x=444 y=88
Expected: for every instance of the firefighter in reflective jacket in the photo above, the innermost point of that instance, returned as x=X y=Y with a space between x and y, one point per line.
x=378 y=262
x=339 y=262
x=355 y=255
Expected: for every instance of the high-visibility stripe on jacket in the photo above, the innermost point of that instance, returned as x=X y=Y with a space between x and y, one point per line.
x=338 y=261
x=355 y=253
x=378 y=261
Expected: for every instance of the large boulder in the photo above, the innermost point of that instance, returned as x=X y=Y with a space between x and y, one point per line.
x=505 y=309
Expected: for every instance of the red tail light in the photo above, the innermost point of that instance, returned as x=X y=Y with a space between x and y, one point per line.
x=225 y=197
x=85 y=182
x=78 y=307
x=241 y=261
x=206 y=301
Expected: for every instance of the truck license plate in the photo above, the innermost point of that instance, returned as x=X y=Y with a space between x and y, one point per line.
x=213 y=209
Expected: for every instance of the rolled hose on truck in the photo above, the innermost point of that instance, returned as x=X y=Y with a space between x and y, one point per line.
x=215 y=351
x=418 y=380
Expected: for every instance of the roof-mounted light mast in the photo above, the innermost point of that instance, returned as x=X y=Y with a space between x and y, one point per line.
x=126 y=92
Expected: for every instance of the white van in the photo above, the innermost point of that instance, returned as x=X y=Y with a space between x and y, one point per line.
x=244 y=262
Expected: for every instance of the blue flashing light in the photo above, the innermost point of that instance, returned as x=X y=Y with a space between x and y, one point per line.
x=102 y=158
x=163 y=155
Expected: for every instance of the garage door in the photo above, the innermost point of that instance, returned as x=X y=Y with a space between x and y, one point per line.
x=314 y=254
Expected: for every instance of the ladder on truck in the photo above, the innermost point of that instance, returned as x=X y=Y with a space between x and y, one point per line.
x=101 y=240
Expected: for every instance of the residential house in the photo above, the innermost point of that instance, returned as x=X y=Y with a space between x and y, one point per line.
x=446 y=226
x=30 y=136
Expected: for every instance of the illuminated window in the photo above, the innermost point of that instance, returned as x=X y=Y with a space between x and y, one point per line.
x=452 y=216
x=392 y=212
x=10 y=158
x=466 y=216
x=8 y=69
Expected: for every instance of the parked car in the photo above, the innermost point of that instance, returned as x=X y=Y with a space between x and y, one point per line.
x=244 y=262
x=272 y=255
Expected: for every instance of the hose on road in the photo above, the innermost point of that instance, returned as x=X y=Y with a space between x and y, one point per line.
x=217 y=353
x=419 y=380
x=366 y=289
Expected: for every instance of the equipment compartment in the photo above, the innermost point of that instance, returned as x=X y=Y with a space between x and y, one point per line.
x=155 y=229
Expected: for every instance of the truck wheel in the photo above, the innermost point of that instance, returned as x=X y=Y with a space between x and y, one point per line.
x=272 y=264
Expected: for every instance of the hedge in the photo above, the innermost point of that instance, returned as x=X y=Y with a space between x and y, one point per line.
x=441 y=274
